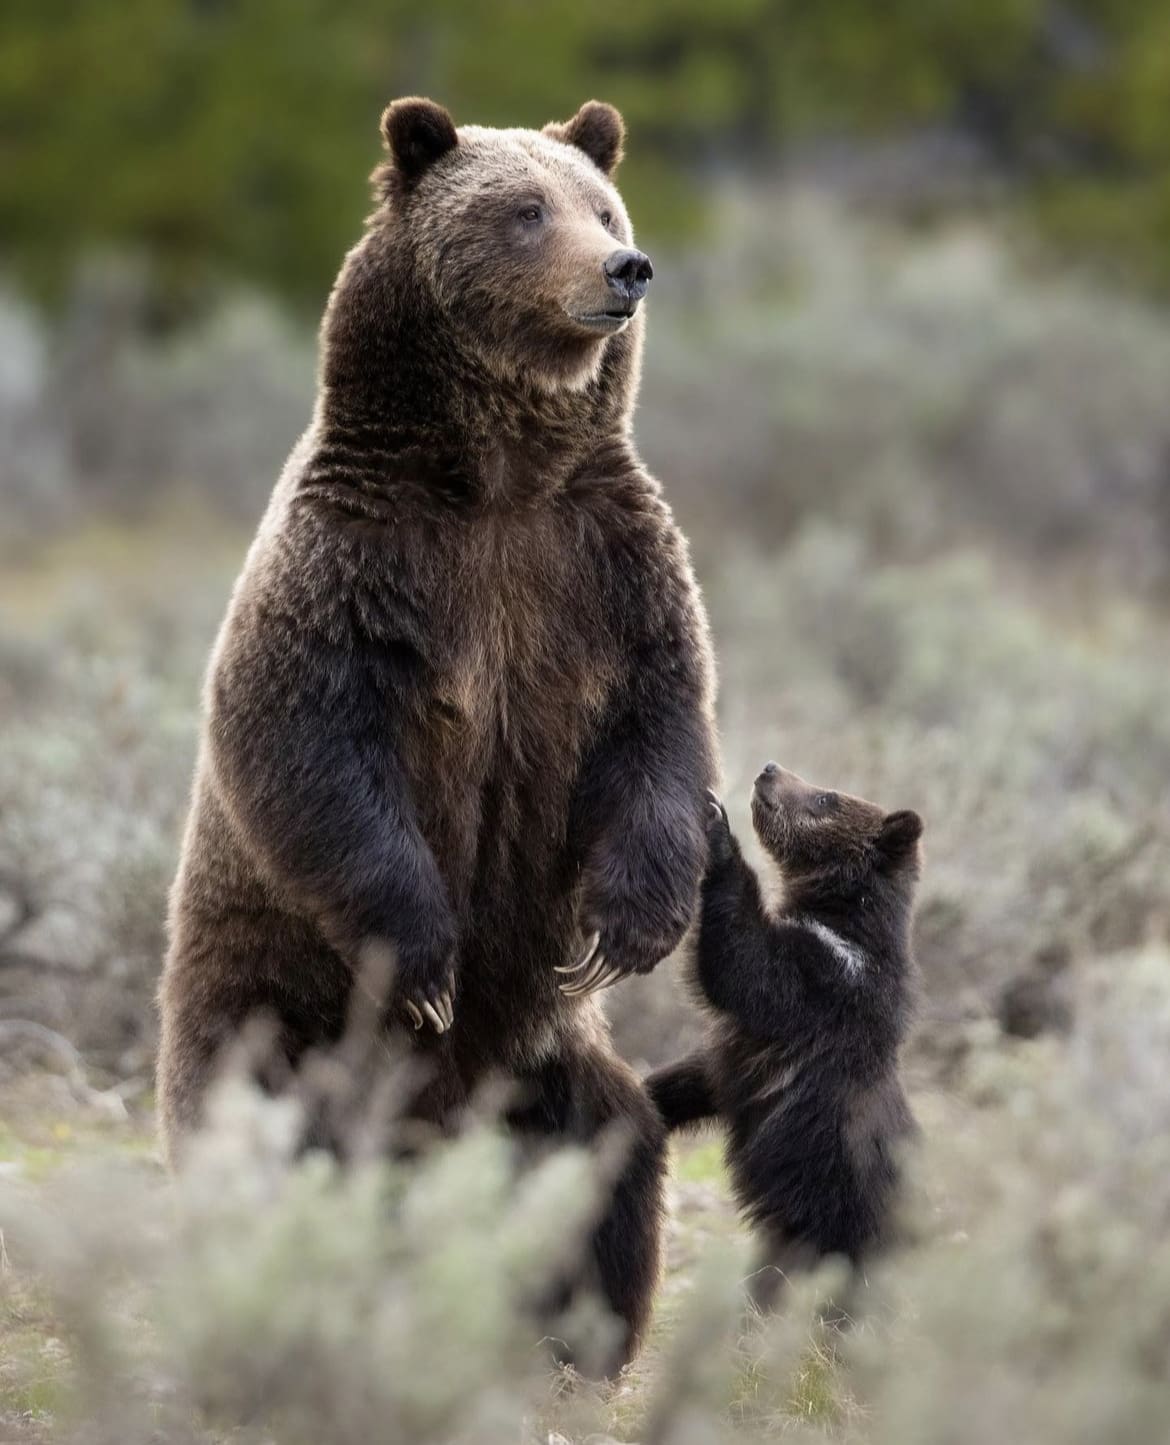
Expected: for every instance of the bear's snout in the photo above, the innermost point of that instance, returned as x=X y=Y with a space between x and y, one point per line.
x=628 y=274
x=773 y=779
x=779 y=787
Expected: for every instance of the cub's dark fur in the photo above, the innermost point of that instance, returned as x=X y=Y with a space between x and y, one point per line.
x=811 y=1004
x=459 y=716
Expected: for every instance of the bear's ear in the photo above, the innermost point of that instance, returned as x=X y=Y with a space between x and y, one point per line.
x=598 y=130
x=417 y=132
x=899 y=837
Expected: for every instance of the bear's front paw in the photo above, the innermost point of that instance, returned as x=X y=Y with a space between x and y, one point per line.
x=638 y=896
x=423 y=984
x=426 y=988
x=719 y=841
x=631 y=942
x=434 y=1005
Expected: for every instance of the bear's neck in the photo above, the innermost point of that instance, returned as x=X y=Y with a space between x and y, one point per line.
x=404 y=402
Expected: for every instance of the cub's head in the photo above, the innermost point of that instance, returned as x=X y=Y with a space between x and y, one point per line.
x=831 y=841
x=520 y=236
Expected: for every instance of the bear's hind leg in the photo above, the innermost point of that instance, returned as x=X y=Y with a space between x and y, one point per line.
x=627 y=1244
x=592 y=1096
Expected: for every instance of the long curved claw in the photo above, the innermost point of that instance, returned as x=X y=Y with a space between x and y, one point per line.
x=416 y=1017
x=584 y=981
x=609 y=974
x=446 y=1009
x=590 y=949
x=585 y=984
x=609 y=978
x=436 y=1022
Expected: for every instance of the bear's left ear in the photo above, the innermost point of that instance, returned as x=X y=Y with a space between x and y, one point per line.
x=597 y=129
x=899 y=837
x=417 y=132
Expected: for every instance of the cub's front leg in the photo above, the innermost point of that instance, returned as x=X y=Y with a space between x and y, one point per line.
x=749 y=966
x=732 y=945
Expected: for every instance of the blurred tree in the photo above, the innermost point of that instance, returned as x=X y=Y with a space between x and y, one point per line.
x=231 y=136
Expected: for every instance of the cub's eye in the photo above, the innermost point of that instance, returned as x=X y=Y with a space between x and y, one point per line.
x=606 y=219
x=825 y=801
x=531 y=214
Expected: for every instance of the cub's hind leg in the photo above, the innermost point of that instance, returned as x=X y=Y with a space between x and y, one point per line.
x=682 y=1092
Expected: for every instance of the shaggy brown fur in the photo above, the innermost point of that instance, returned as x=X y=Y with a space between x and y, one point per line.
x=810 y=1007
x=460 y=711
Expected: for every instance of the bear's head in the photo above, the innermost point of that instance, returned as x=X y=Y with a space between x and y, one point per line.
x=518 y=237
x=829 y=842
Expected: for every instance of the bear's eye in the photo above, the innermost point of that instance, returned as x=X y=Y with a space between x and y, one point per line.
x=606 y=219
x=531 y=214
x=825 y=801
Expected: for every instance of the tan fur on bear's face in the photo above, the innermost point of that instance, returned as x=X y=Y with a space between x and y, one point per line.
x=511 y=230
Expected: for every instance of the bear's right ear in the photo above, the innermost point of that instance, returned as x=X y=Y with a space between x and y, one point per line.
x=417 y=132
x=898 y=839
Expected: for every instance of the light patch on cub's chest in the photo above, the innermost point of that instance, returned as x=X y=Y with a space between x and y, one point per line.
x=848 y=955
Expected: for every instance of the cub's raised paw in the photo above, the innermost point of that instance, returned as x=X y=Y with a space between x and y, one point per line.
x=719 y=845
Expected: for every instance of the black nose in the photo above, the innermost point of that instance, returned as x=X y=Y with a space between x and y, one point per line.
x=629 y=273
x=771 y=768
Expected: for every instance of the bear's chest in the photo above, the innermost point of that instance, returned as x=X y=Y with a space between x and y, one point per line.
x=527 y=661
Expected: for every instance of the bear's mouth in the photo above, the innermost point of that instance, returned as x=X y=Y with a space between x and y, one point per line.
x=607 y=322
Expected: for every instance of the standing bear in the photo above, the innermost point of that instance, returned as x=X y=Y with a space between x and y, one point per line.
x=460 y=712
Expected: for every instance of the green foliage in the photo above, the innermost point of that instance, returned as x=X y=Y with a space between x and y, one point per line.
x=233 y=136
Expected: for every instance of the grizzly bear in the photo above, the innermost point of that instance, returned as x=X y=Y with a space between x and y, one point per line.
x=460 y=713
x=811 y=1004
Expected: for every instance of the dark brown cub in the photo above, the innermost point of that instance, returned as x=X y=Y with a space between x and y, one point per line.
x=810 y=1006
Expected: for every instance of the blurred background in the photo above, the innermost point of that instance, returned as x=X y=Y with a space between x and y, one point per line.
x=907 y=384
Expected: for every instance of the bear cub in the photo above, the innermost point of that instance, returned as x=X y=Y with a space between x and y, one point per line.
x=810 y=1006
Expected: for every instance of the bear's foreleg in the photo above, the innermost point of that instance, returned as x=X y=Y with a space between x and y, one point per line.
x=301 y=744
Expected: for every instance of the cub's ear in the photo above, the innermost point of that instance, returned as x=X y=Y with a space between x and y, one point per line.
x=417 y=132
x=899 y=837
x=598 y=130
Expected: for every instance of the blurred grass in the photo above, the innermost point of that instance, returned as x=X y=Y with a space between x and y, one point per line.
x=1031 y=1288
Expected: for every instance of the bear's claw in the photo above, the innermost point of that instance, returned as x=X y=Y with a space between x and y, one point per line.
x=599 y=976
x=587 y=957
x=438 y=1010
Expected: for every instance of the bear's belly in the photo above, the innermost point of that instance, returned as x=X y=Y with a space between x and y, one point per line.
x=494 y=784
